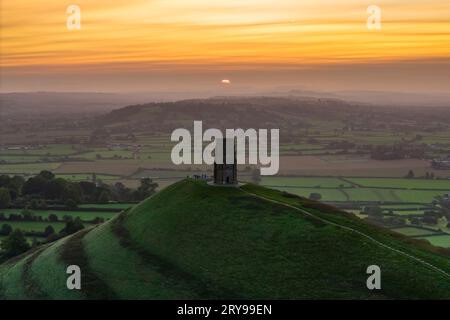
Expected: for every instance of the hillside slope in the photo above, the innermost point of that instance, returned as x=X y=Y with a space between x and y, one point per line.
x=192 y=241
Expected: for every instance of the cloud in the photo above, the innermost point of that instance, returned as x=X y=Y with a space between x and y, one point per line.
x=203 y=34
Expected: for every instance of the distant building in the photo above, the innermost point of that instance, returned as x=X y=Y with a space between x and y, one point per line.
x=226 y=174
x=441 y=164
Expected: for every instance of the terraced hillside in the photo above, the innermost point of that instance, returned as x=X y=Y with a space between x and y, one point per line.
x=192 y=240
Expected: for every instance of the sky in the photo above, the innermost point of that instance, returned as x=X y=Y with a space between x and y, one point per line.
x=138 y=45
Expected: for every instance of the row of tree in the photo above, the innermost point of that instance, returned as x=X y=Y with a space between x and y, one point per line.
x=45 y=186
x=16 y=243
x=28 y=215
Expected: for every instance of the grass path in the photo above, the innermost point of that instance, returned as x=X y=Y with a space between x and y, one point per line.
x=73 y=253
x=166 y=268
x=424 y=263
x=32 y=289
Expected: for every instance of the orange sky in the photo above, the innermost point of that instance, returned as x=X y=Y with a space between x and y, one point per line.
x=126 y=36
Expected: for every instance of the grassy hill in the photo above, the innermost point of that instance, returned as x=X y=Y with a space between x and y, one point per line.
x=192 y=241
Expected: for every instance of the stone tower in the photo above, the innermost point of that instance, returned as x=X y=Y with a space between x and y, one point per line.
x=226 y=174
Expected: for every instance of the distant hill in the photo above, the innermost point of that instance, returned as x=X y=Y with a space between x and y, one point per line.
x=225 y=112
x=192 y=240
x=378 y=98
x=289 y=114
x=38 y=103
x=397 y=98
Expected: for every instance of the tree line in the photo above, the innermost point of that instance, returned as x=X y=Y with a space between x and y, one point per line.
x=35 y=191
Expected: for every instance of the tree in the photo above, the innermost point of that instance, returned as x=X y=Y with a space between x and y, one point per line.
x=67 y=218
x=14 y=184
x=72 y=226
x=54 y=188
x=72 y=191
x=88 y=190
x=6 y=229
x=27 y=214
x=397 y=221
x=34 y=204
x=104 y=196
x=52 y=217
x=315 y=196
x=34 y=185
x=4 y=180
x=443 y=206
x=410 y=174
x=71 y=204
x=373 y=211
x=98 y=220
x=5 y=198
x=15 y=244
x=123 y=193
x=429 y=219
x=146 y=189
x=49 y=231
x=47 y=175
x=34 y=242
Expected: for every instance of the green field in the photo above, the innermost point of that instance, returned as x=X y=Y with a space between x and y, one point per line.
x=402 y=183
x=327 y=194
x=165 y=174
x=83 y=215
x=38 y=226
x=439 y=241
x=420 y=196
x=105 y=153
x=365 y=194
x=303 y=146
x=403 y=207
x=370 y=189
x=29 y=239
x=106 y=205
x=408 y=212
x=47 y=150
x=304 y=182
x=32 y=168
x=413 y=232
x=19 y=158
x=86 y=177
x=34 y=225
x=389 y=195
